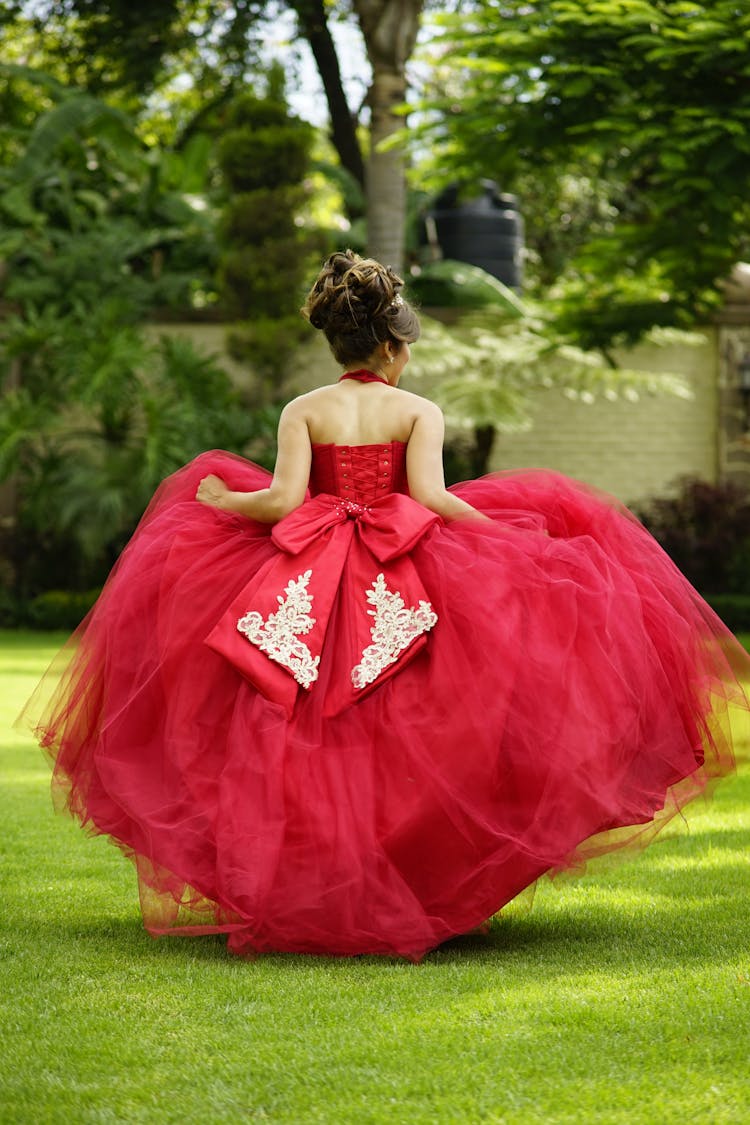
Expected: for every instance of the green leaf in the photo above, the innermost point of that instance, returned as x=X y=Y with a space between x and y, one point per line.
x=458 y=284
x=674 y=161
x=74 y=113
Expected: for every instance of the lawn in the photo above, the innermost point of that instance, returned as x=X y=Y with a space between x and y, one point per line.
x=621 y=997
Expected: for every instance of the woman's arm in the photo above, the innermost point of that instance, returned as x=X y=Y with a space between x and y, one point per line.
x=424 y=468
x=290 y=478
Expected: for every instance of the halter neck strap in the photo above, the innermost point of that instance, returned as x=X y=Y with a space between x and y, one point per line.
x=363 y=376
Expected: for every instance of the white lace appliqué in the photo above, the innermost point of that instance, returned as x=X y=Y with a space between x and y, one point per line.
x=278 y=636
x=394 y=629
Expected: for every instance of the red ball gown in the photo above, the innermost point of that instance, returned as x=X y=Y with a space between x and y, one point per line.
x=365 y=730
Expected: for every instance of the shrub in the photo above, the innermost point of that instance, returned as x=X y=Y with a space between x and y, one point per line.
x=60 y=609
x=10 y=611
x=733 y=609
x=264 y=157
x=265 y=161
x=269 y=342
x=705 y=529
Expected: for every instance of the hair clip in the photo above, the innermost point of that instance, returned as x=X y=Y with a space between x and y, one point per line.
x=398 y=300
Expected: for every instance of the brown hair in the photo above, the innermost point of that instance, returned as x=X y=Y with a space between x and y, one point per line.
x=357 y=303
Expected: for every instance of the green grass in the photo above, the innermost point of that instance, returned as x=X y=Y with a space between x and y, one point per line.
x=620 y=998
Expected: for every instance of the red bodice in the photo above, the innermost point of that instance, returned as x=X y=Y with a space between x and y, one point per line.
x=361 y=473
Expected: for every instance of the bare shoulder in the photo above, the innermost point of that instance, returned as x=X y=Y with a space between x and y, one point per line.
x=293 y=420
x=424 y=409
x=298 y=409
x=306 y=404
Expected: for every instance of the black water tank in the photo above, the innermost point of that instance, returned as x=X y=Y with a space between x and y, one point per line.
x=485 y=230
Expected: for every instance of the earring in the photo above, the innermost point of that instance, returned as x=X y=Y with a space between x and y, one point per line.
x=391 y=358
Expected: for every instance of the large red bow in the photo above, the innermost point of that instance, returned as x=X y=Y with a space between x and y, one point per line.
x=275 y=629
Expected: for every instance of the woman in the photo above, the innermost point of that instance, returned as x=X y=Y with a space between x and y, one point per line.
x=345 y=710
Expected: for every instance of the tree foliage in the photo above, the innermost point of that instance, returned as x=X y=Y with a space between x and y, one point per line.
x=649 y=100
x=119 y=45
x=93 y=415
x=175 y=62
x=125 y=50
x=78 y=175
x=486 y=369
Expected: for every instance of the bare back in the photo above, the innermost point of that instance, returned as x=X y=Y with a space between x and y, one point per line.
x=352 y=413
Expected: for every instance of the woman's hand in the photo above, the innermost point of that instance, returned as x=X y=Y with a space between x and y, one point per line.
x=291 y=475
x=213 y=491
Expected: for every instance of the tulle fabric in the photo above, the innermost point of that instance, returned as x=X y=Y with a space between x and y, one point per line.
x=573 y=696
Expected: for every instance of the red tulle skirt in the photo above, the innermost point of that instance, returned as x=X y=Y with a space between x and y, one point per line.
x=574 y=694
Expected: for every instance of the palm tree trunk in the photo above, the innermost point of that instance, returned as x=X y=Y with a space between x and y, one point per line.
x=389 y=28
x=386 y=179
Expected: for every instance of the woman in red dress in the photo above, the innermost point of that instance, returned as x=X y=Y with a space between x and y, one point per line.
x=346 y=710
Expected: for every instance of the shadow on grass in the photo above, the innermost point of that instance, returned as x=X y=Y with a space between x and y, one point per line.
x=647 y=927
x=114 y=938
x=649 y=917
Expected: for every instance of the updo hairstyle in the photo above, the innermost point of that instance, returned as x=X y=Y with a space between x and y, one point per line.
x=357 y=304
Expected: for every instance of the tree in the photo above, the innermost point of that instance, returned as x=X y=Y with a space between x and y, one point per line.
x=130 y=50
x=389 y=29
x=313 y=23
x=650 y=99
x=125 y=50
